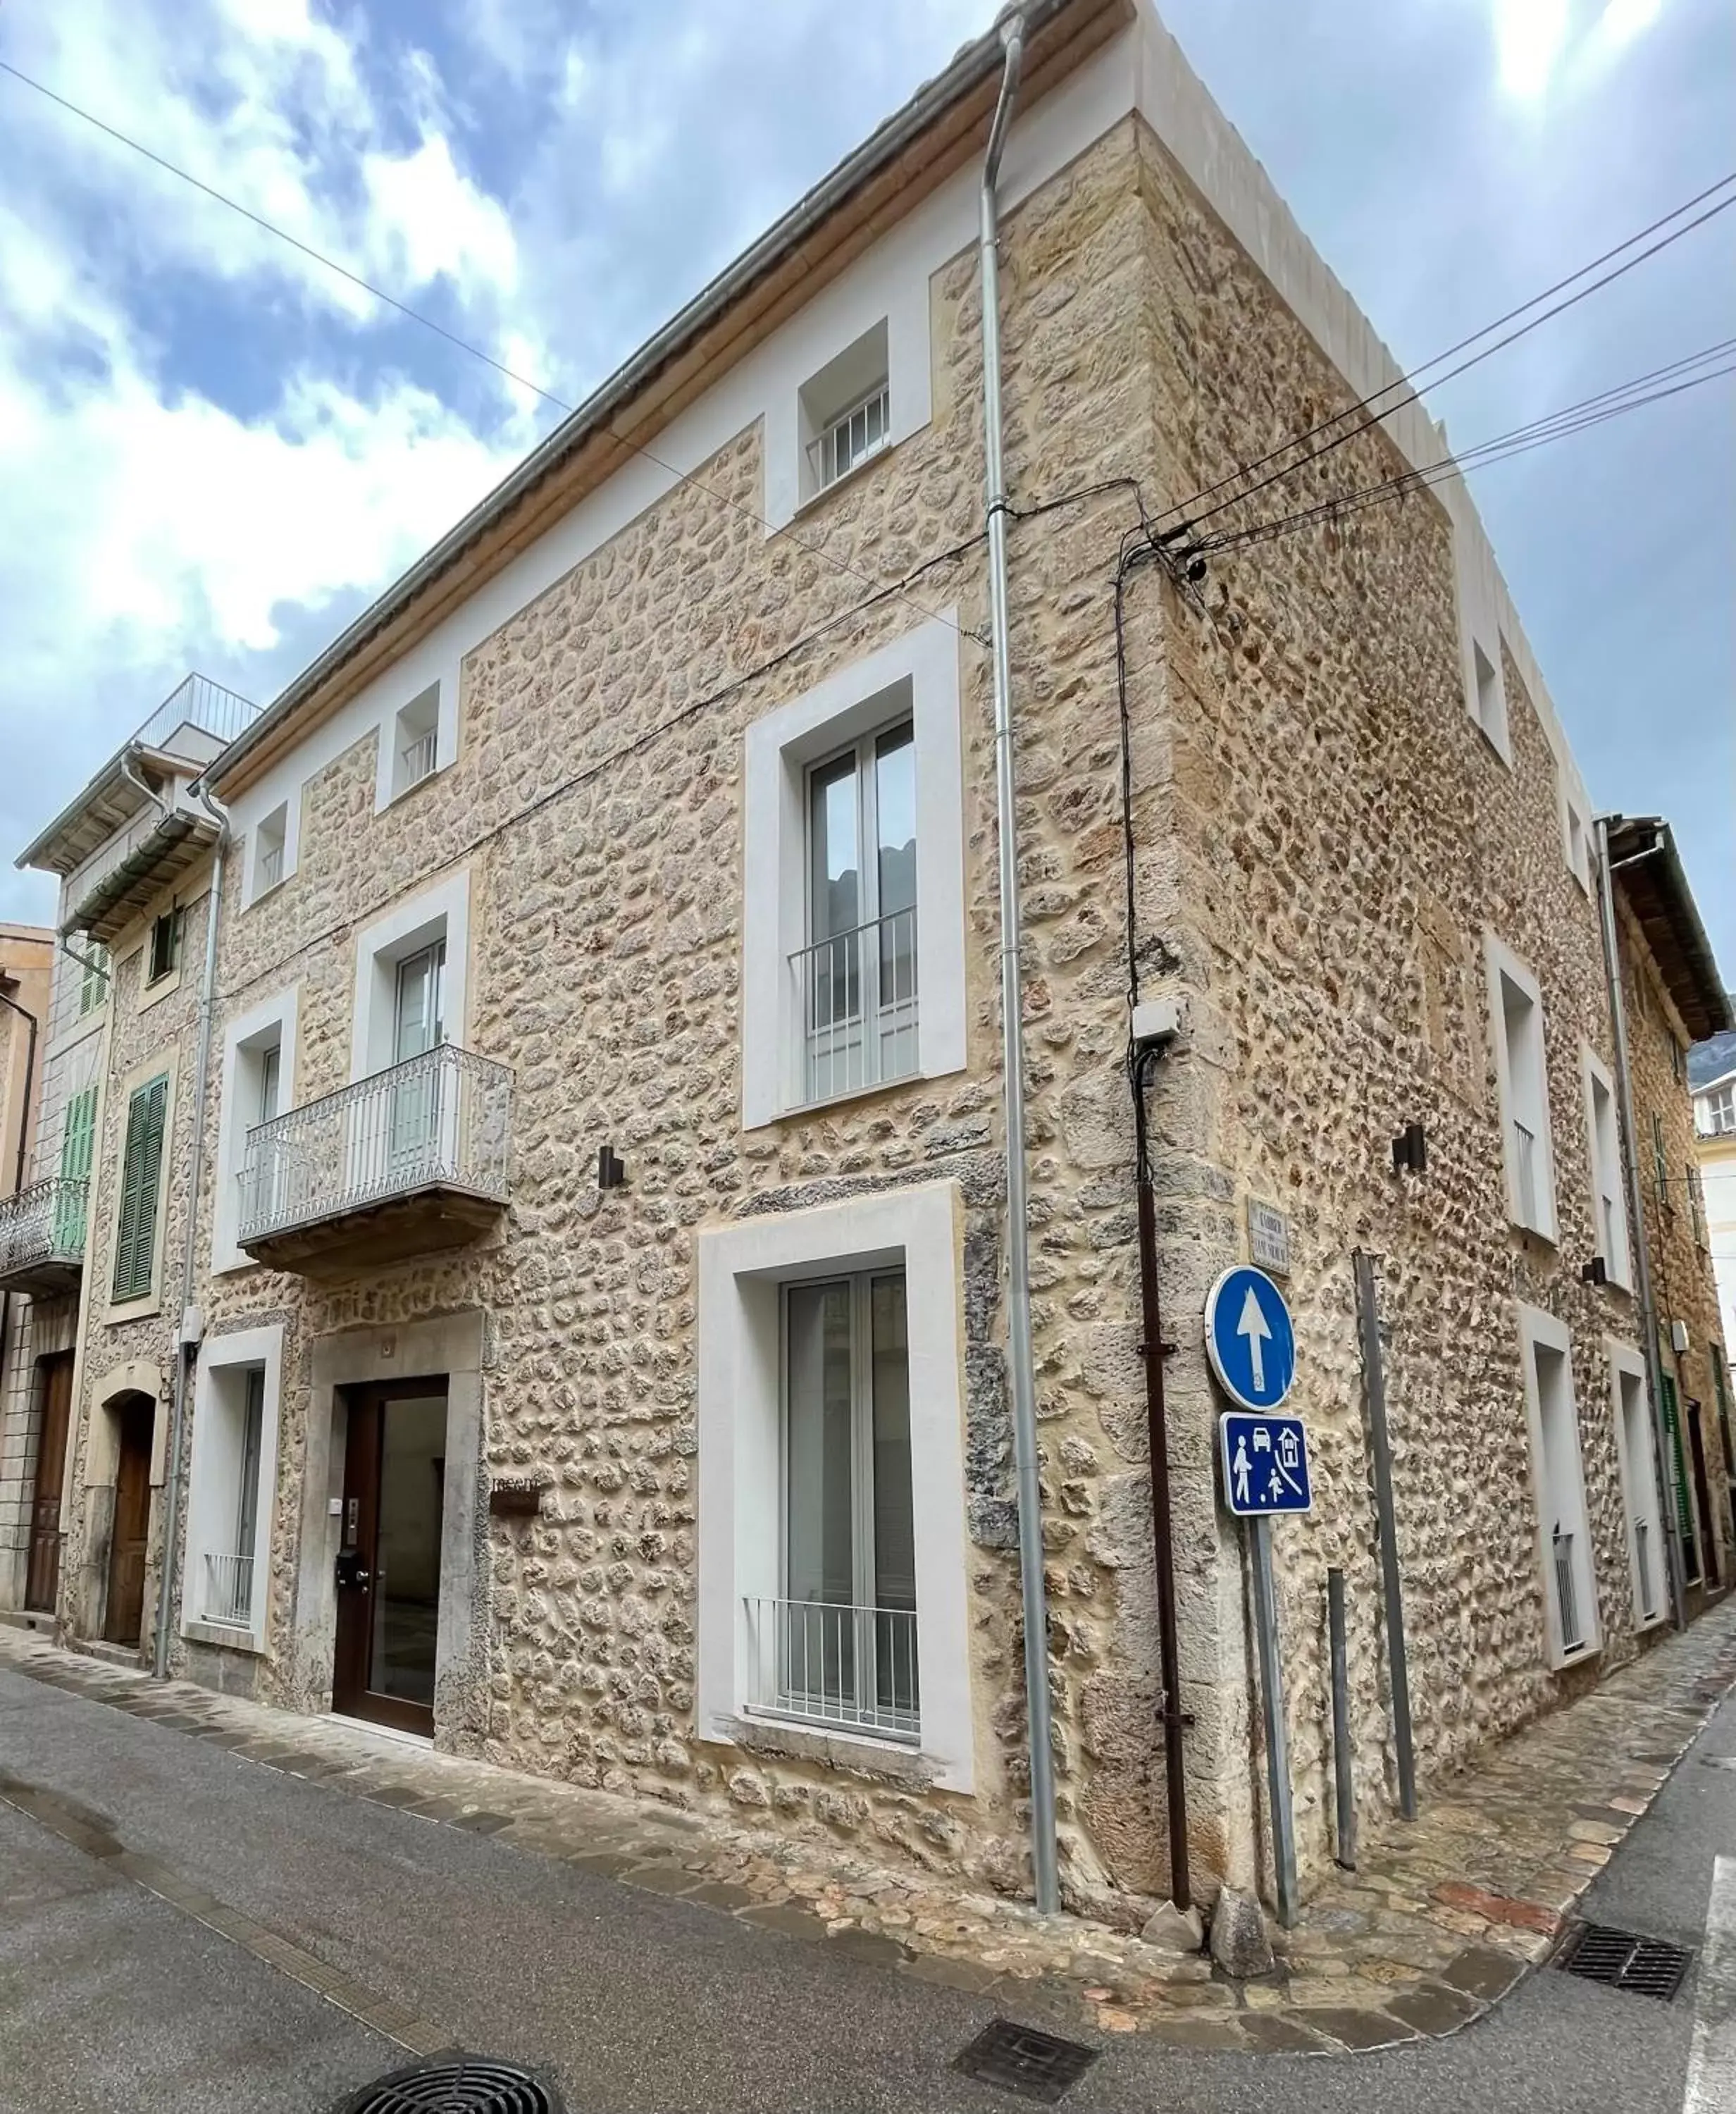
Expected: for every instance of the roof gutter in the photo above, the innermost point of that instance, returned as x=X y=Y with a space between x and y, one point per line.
x=976 y=64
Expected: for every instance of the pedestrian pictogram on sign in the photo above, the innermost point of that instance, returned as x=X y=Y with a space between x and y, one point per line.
x=1265 y=1464
x=1248 y=1339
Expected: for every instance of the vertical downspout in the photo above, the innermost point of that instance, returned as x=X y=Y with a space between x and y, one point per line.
x=1043 y=1856
x=184 y=1351
x=1660 y=1450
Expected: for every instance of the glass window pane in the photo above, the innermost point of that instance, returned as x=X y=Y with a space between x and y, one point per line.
x=406 y=1599
x=270 y=1067
x=894 y=1532
x=895 y=801
x=834 y=871
x=819 y=1540
x=252 y=1423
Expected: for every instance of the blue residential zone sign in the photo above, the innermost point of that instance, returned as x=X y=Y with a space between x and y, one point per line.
x=1265 y=1464
x=1248 y=1339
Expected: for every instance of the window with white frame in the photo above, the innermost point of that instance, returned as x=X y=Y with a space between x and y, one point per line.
x=232 y=1478
x=269 y=848
x=832 y=1588
x=1564 y=1538
x=1479 y=629
x=1521 y=1071
x=1718 y=1111
x=1636 y=1458
x=853 y=936
x=1608 y=1213
x=845 y=412
x=1578 y=840
x=836 y=1644
x=416 y=741
x=254 y=1174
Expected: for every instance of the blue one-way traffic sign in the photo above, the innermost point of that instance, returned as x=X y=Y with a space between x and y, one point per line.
x=1248 y=1339
x=1265 y=1464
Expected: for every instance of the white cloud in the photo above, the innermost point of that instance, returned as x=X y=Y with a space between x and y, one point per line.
x=1530 y=35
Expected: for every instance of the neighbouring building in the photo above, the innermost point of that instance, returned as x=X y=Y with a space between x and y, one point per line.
x=1711 y=1075
x=26 y=973
x=132 y=855
x=595 y=1354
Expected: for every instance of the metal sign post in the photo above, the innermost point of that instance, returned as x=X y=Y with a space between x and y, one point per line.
x=1272 y=1704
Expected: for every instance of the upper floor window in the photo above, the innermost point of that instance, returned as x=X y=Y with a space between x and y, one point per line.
x=1521 y=1067
x=857 y=972
x=416 y=740
x=269 y=848
x=1479 y=633
x=845 y=412
x=164 y=951
x=1578 y=834
x=1609 y=1219
x=141 y=1168
x=93 y=981
x=1718 y=1111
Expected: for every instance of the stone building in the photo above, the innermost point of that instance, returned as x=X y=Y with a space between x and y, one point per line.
x=132 y=851
x=26 y=973
x=1712 y=1075
x=597 y=1356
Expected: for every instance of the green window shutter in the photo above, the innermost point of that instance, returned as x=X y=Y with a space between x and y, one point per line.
x=1679 y=1470
x=77 y=1143
x=141 y=1163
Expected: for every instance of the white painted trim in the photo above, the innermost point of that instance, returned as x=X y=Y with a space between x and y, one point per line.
x=1640 y=1495
x=1537 y=1327
x=246 y=1031
x=778 y=746
x=741 y=1268
x=1574 y=807
x=1593 y=1071
x=833 y=322
x=1499 y=961
x=437 y=913
x=446 y=677
x=253 y=890
x=225 y=1354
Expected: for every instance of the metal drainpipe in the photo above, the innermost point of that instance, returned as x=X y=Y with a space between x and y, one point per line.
x=183 y=1360
x=1043 y=1856
x=1660 y=1452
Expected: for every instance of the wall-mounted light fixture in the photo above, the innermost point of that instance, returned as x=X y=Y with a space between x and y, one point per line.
x=611 y=1174
x=1410 y=1149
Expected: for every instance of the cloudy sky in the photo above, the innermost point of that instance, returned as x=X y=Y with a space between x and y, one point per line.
x=213 y=451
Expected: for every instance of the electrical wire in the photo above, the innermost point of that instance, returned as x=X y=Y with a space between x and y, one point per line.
x=463 y=345
x=1571 y=418
x=1409 y=380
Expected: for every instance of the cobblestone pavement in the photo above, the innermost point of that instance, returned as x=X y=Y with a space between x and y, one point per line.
x=1441 y=1919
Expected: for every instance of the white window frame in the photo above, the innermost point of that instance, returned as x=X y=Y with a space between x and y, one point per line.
x=274 y=1021
x=1721 y=1090
x=211 y=1476
x=1502 y=962
x=858 y=379
x=1558 y=1489
x=270 y=834
x=1477 y=596
x=441 y=687
x=742 y=1268
x=917 y=674
x=1576 y=831
x=1604 y=1165
x=439 y=914
x=1641 y=1498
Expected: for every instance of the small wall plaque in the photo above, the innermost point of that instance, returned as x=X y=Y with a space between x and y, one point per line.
x=516 y=1497
x=1268 y=1238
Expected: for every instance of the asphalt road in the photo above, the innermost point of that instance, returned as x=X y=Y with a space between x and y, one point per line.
x=111 y=1997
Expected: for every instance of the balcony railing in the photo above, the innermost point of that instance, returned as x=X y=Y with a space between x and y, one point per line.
x=438 y=1121
x=229 y=1591
x=1567 y=1593
x=851 y=438
x=857 y=992
x=1525 y=1172
x=42 y=1232
x=825 y=1664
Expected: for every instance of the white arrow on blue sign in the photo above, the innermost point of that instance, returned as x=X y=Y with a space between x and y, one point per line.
x=1265 y=1464
x=1248 y=1339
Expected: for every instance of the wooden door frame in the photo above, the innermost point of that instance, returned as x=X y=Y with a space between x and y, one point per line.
x=134 y=1408
x=49 y=1366
x=351 y=1642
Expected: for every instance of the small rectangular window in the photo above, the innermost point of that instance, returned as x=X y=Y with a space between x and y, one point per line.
x=416 y=741
x=838 y=1647
x=93 y=982
x=1488 y=694
x=1528 y=1150
x=845 y=412
x=165 y=947
x=857 y=974
x=1609 y=1217
x=1718 y=1111
x=141 y=1167
x=268 y=852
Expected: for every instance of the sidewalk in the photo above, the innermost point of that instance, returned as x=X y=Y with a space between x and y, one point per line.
x=1441 y=1919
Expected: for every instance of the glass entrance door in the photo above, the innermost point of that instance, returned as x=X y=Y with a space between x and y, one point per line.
x=388 y=1564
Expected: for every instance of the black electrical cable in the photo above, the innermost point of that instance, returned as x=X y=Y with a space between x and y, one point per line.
x=1409 y=380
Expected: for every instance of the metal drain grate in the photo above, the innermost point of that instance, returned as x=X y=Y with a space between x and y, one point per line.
x=1036 y=2065
x=1622 y=1960
x=457 y=2085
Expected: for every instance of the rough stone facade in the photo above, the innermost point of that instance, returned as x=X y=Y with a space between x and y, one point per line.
x=1321 y=838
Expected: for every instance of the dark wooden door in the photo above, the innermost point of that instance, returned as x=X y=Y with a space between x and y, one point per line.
x=1703 y=1491
x=54 y=1390
x=388 y=1564
x=126 y=1607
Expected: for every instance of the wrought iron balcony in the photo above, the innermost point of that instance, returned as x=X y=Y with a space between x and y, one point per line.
x=41 y=1238
x=409 y=1162
x=857 y=993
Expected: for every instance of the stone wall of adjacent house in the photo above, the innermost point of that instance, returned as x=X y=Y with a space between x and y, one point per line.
x=1683 y=1282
